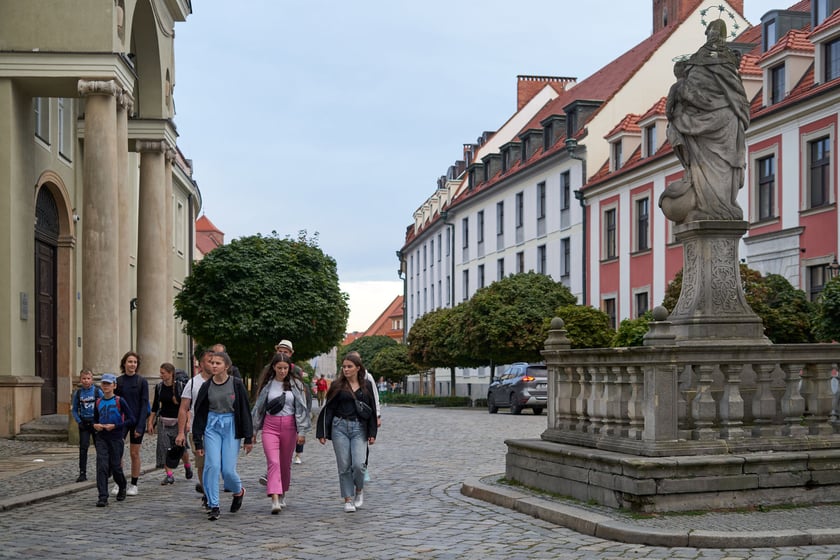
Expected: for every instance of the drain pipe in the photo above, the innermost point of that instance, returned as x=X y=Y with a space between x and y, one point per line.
x=571 y=148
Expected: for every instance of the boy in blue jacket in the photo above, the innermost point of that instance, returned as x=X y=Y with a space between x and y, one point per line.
x=84 y=399
x=110 y=418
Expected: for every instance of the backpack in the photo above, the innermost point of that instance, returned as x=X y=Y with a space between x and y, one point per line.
x=182 y=377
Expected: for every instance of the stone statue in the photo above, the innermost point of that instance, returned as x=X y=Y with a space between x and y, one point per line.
x=707 y=112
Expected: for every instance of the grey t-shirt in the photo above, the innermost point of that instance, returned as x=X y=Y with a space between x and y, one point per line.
x=221 y=396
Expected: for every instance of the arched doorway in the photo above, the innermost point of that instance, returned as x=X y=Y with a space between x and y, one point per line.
x=46 y=251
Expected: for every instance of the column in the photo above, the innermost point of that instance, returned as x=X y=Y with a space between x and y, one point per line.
x=152 y=311
x=170 y=242
x=125 y=104
x=100 y=228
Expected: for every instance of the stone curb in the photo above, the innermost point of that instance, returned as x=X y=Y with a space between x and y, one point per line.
x=7 y=504
x=601 y=526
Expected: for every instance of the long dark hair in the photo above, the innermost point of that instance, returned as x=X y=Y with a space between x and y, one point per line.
x=341 y=383
x=268 y=373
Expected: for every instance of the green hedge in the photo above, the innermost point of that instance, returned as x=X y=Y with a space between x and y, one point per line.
x=401 y=398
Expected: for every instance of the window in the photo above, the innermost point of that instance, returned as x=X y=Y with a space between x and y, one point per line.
x=541 y=201
x=565 y=191
x=768 y=37
x=425 y=251
x=819 y=172
x=432 y=297
x=500 y=269
x=766 y=173
x=642 y=304
x=439 y=245
x=609 y=309
x=520 y=262
x=180 y=229
x=541 y=209
x=500 y=218
x=609 y=234
x=821 y=11
x=541 y=263
x=831 y=70
x=480 y=276
x=41 y=108
x=650 y=140
x=643 y=224
x=816 y=281
x=448 y=290
x=432 y=252
x=465 y=232
x=65 y=128
x=479 y=225
x=777 y=83
x=425 y=301
x=466 y=293
x=520 y=210
x=616 y=155
x=565 y=257
x=448 y=240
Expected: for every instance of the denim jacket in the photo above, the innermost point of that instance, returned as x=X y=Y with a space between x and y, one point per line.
x=302 y=419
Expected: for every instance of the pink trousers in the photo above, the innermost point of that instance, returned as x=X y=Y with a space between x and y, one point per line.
x=278 y=438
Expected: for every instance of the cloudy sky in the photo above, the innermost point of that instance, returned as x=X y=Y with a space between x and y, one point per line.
x=337 y=117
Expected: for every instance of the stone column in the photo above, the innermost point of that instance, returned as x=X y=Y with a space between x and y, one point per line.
x=125 y=104
x=170 y=242
x=712 y=308
x=100 y=228
x=152 y=311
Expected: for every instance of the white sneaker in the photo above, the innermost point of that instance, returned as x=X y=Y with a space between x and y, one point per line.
x=359 y=500
x=283 y=500
x=115 y=490
x=297 y=460
x=276 y=507
x=131 y=490
x=349 y=507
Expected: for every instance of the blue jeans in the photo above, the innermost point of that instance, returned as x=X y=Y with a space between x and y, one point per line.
x=221 y=450
x=350 y=445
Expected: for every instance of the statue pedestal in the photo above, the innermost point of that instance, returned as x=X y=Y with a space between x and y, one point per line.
x=712 y=308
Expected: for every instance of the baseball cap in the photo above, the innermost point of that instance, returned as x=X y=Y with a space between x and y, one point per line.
x=109 y=378
x=286 y=343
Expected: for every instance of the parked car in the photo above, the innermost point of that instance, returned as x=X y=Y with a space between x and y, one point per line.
x=522 y=385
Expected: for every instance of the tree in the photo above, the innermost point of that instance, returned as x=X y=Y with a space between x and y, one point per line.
x=392 y=363
x=367 y=347
x=586 y=326
x=827 y=315
x=507 y=321
x=784 y=310
x=631 y=332
x=256 y=290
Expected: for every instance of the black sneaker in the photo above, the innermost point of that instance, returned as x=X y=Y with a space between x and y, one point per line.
x=215 y=513
x=199 y=488
x=102 y=502
x=121 y=494
x=82 y=477
x=204 y=503
x=188 y=474
x=237 y=501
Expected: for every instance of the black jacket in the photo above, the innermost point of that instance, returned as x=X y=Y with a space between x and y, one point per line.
x=241 y=412
x=325 y=417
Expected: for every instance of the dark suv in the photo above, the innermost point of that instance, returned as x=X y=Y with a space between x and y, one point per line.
x=521 y=386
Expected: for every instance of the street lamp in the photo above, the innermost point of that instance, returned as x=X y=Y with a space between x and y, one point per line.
x=832 y=270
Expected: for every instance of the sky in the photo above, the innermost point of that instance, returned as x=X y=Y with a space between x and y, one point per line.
x=338 y=117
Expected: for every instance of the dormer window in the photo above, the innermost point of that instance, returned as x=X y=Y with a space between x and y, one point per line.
x=650 y=140
x=777 y=83
x=821 y=11
x=768 y=35
x=548 y=137
x=616 y=154
x=831 y=62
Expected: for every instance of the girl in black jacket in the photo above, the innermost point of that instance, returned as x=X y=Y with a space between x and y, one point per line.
x=349 y=419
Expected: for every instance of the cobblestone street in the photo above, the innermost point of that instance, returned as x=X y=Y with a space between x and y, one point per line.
x=413 y=507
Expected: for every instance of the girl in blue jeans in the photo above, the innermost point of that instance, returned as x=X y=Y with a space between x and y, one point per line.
x=222 y=419
x=350 y=429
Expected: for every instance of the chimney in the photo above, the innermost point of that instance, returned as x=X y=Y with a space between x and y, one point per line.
x=529 y=86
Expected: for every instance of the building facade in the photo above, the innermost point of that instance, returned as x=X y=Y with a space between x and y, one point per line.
x=97 y=202
x=518 y=199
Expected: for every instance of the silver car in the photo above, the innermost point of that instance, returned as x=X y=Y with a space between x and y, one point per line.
x=522 y=385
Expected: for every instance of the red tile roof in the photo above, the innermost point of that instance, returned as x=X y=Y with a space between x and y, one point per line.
x=630 y=124
x=749 y=66
x=207 y=235
x=382 y=325
x=658 y=109
x=829 y=22
x=795 y=40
